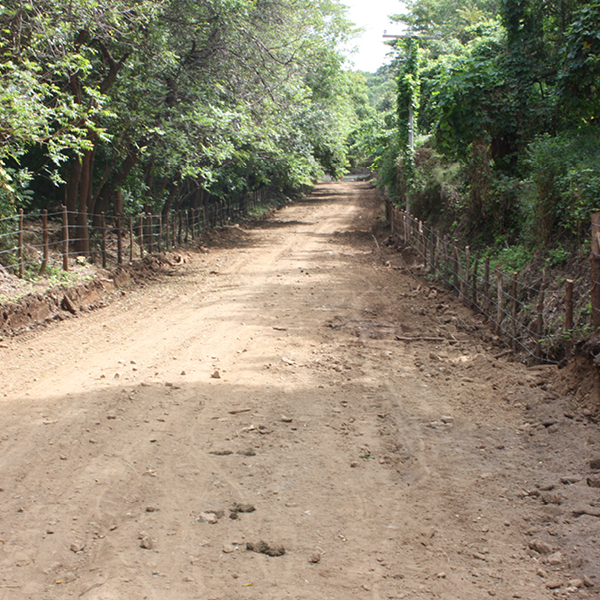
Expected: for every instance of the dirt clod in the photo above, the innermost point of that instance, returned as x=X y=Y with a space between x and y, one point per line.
x=243 y=508
x=595 y=464
x=594 y=481
x=264 y=548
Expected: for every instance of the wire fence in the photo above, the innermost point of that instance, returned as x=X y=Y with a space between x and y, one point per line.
x=36 y=244
x=538 y=321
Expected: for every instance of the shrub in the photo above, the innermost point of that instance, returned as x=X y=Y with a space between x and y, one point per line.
x=565 y=171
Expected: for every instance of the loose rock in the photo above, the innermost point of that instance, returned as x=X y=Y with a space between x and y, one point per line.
x=145 y=541
x=549 y=498
x=540 y=547
x=594 y=481
x=207 y=518
x=555 y=559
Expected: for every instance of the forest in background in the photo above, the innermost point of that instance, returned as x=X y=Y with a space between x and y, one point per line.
x=506 y=104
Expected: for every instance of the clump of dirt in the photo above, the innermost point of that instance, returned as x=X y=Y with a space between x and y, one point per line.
x=580 y=379
x=264 y=548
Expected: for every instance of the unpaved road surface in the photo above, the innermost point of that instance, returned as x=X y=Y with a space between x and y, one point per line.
x=260 y=394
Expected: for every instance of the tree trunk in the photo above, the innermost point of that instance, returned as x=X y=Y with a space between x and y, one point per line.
x=118 y=202
x=107 y=191
x=82 y=242
x=169 y=201
x=72 y=188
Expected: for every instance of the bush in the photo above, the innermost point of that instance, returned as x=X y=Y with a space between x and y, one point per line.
x=565 y=173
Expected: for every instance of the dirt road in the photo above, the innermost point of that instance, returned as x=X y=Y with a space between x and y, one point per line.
x=260 y=394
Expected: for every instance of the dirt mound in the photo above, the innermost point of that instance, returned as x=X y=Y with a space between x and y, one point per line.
x=62 y=302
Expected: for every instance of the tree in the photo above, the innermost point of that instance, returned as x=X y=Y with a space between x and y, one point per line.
x=174 y=100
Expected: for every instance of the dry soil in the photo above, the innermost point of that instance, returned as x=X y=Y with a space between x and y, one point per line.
x=293 y=414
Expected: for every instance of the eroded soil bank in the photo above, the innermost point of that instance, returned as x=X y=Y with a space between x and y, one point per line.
x=293 y=415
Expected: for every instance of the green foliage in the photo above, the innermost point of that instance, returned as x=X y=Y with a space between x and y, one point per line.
x=510 y=259
x=153 y=96
x=580 y=78
x=565 y=173
x=557 y=256
x=447 y=18
x=510 y=95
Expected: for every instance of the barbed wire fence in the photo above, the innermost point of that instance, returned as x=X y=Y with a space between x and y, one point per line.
x=41 y=243
x=537 y=321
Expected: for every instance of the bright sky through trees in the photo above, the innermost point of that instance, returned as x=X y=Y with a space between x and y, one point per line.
x=372 y=16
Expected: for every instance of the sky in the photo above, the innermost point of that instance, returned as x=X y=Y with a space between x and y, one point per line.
x=372 y=16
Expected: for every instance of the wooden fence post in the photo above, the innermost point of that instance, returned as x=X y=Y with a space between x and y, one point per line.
x=119 y=240
x=569 y=318
x=65 y=233
x=455 y=267
x=150 y=220
x=444 y=259
x=540 y=325
x=141 y=234
x=515 y=305
x=486 y=285
x=499 y=295
x=160 y=232
x=467 y=274
x=103 y=239
x=130 y=238
x=20 y=244
x=595 y=269
x=168 y=228
x=475 y=275
x=45 y=241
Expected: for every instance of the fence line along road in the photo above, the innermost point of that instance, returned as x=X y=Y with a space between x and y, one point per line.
x=540 y=322
x=36 y=244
